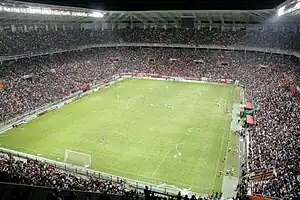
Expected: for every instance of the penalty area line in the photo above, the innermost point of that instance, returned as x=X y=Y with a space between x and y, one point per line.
x=161 y=162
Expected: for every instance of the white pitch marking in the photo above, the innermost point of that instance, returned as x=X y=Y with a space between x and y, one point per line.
x=113 y=165
x=148 y=177
x=161 y=162
x=178 y=152
x=218 y=161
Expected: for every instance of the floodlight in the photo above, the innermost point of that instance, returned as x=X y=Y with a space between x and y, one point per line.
x=280 y=11
x=96 y=14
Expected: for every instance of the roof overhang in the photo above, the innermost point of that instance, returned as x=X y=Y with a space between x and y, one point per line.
x=200 y=16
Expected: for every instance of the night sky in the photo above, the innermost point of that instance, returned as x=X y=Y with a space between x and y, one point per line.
x=166 y=4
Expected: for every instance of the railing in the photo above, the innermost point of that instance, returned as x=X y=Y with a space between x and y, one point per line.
x=8 y=190
x=128 y=183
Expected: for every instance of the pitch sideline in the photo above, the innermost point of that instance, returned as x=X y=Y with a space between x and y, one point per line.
x=161 y=162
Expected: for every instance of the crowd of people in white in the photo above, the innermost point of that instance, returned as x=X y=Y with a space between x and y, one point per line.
x=274 y=140
x=13 y=43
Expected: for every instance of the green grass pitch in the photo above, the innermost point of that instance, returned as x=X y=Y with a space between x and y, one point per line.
x=155 y=131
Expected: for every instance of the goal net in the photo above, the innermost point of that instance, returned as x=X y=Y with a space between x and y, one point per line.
x=78 y=158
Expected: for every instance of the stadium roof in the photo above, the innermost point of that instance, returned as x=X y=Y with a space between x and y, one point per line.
x=7 y=16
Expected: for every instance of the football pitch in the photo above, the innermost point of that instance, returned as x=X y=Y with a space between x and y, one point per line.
x=154 y=131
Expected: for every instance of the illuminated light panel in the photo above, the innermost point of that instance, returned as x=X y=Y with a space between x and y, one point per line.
x=47 y=11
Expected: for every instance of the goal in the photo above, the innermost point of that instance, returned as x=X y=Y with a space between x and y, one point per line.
x=78 y=158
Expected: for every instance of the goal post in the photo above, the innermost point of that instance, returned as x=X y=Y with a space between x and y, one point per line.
x=78 y=158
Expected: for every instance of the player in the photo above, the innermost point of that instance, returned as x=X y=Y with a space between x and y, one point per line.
x=103 y=140
x=232 y=171
x=218 y=104
x=221 y=173
x=229 y=149
x=118 y=96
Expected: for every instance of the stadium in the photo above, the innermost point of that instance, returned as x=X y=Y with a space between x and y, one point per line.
x=149 y=104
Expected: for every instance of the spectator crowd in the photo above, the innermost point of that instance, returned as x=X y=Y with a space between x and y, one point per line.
x=33 y=172
x=274 y=141
x=37 y=41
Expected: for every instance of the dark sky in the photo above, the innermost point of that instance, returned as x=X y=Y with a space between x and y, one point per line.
x=167 y=4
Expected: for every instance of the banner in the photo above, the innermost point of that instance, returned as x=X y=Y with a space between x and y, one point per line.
x=42 y=113
x=85 y=87
x=198 y=61
x=156 y=76
x=293 y=89
x=262 y=67
x=229 y=81
x=19 y=123
x=172 y=59
x=114 y=60
x=222 y=80
x=252 y=197
x=204 y=79
x=2 y=85
x=126 y=74
x=192 y=79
